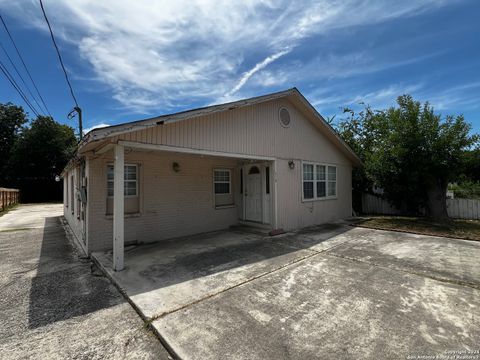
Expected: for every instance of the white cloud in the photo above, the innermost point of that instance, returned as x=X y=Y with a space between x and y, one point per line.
x=96 y=126
x=386 y=96
x=164 y=54
x=378 y=99
x=247 y=75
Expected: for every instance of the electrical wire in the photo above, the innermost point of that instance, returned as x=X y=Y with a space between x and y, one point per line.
x=21 y=78
x=17 y=88
x=58 y=53
x=25 y=66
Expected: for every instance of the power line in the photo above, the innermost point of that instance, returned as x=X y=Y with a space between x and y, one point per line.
x=17 y=88
x=21 y=77
x=25 y=66
x=58 y=53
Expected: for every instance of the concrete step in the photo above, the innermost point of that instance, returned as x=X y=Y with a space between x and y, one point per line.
x=258 y=229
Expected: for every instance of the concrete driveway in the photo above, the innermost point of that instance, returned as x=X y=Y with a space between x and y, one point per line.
x=52 y=306
x=326 y=292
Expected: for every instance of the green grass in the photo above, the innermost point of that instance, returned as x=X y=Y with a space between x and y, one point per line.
x=463 y=229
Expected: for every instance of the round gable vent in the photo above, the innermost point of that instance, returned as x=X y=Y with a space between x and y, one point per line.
x=284 y=117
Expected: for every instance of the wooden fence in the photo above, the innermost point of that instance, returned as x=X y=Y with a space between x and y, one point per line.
x=8 y=197
x=464 y=208
x=456 y=208
x=372 y=204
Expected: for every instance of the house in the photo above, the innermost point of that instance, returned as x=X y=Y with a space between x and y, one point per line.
x=270 y=160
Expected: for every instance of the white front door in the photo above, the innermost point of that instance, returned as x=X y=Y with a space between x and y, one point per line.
x=253 y=194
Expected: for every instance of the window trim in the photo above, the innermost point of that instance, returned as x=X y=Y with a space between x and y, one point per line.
x=136 y=181
x=315 y=180
x=223 y=182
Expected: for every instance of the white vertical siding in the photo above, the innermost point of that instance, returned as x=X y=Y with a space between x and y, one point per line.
x=251 y=130
x=293 y=213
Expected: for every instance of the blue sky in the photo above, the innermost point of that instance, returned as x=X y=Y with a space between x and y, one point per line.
x=128 y=60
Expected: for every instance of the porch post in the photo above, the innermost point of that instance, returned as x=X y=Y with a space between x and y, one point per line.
x=118 y=208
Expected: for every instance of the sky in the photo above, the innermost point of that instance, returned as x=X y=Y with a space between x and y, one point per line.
x=129 y=60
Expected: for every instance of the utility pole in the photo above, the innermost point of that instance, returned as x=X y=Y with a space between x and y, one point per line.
x=71 y=115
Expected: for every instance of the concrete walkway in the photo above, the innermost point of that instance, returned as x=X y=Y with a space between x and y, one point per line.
x=51 y=306
x=327 y=292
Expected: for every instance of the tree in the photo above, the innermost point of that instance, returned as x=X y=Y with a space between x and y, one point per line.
x=471 y=169
x=40 y=153
x=410 y=152
x=12 y=121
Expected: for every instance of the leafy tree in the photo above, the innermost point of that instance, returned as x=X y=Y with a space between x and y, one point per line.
x=471 y=169
x=467 y=189
x=12 y=121
x=40 y=153
x=410 y=152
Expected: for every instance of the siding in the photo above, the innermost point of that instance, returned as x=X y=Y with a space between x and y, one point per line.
x=253 y=130
x=292 y=213
x=171 y=204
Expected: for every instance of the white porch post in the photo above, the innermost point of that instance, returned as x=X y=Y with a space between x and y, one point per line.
x=118 y=208
x=273 y=179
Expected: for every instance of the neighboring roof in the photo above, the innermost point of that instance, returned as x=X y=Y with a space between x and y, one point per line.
x=293 y=93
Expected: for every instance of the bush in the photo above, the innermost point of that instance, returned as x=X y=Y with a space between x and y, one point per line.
x=466 y=190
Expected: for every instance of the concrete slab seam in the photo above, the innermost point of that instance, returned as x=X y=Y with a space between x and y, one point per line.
x=315 y=253
x=412 y=232
x=146 y=321
x=471 y=285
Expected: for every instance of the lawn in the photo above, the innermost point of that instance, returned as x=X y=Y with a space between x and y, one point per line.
x=463 y=229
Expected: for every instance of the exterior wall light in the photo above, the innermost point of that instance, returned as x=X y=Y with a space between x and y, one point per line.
x=176 y=167
x=291 y=164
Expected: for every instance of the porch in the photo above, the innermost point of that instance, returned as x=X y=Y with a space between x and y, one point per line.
x=180 y=191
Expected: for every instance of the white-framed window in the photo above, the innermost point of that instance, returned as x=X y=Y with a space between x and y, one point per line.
x=222 y=181
x=319 y=181
x=130 y=180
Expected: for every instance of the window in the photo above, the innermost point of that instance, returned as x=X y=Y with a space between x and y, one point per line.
x=319 y=181
x=254 y=170
x=308 y=181
x=130 y=185
x=332 y=181
x=221 y=181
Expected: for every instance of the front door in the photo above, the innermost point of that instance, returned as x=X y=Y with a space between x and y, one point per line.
x=253 y=195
